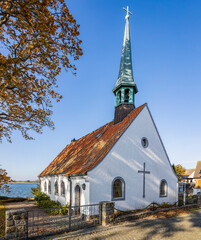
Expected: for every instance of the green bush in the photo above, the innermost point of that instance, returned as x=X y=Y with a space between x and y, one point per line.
x=43 y=201
x=35 y=191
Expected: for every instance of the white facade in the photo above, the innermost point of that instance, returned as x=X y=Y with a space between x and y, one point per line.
x=124 y=160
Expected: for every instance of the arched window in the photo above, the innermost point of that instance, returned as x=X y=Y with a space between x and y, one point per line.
x=62 y=188
x=56 y=191
x=126 y=95
x=49 y=187
x=118 y=189
x=119 y=96
x=163 y=188
x=45 y=187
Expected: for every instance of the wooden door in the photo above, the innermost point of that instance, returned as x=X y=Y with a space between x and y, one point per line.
x=77 y=199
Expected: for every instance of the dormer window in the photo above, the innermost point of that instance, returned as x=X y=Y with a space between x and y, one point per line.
x=126 y=95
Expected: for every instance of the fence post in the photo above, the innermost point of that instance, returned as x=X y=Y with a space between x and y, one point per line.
x=69 y=218
x=16 y=224
x=106 y=213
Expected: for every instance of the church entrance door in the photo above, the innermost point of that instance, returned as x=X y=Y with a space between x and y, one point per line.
x=77 y=199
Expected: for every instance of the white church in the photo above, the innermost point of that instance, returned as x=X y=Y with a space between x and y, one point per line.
x=123 y=161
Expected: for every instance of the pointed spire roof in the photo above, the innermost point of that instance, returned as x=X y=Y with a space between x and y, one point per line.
x=125 y=77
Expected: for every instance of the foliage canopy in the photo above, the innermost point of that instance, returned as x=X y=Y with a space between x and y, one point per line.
x=4 y=180
x=37 y=38
x=179 y=170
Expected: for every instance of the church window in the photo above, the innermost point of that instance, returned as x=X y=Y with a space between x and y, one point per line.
x=144 y=142
x=126 y=95
x=45 y=187
x=119 y=96
x=62 y=188
x=49 y=187
x=163 y=188
x=56 y=188
x=118 y=189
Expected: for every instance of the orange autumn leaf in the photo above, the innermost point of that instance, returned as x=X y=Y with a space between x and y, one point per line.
x=37 y=38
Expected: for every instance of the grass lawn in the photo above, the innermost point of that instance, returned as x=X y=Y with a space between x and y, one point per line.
x=2 y=219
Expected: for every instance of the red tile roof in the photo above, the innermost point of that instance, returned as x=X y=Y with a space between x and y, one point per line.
x=85 y=153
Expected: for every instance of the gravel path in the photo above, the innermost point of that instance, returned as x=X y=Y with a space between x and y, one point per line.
x=28 y=205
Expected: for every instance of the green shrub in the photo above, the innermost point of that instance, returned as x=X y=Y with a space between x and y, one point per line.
x=35 y=191
x=43 y=201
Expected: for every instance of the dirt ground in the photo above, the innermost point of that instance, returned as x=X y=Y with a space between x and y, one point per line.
x=28 y=205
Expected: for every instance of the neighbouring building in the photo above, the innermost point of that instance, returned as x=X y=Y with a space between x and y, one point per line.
x=123 y=161
x=197 y=178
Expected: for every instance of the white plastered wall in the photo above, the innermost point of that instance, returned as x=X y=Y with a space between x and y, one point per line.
x=62 y=199
x=76 y=180
x=80 y=180
x=125 y=159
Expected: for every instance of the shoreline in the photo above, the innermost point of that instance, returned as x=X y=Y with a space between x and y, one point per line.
x=25 y=182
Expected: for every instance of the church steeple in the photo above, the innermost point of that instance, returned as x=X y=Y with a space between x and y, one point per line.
x=125 y=88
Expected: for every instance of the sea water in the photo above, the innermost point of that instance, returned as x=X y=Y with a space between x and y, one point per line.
x=19 y=190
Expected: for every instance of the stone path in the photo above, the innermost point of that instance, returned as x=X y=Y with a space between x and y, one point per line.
x=182 y=227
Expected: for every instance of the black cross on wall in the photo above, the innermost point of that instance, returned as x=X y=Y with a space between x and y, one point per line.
x=144 y=172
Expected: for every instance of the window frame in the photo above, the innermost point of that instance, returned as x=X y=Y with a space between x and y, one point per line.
x=56 y=193
x=123 y=189
x=45 y=186
x=166 y=189
x=49 y=187
x=147 y=142
x=63 y=193
x=119 y=96
x=125 y=93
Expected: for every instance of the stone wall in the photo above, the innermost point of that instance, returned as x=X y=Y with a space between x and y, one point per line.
x=16 y=224
x=106 y=213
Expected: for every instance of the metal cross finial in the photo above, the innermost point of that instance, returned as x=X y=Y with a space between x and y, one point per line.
x=127 y=10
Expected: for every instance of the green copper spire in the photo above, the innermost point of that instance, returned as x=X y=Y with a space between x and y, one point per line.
x=125 y=77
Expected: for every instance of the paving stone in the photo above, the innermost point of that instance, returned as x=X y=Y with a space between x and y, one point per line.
x=182 y=227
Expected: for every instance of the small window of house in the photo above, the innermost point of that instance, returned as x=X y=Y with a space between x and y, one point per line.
x=144 y=142
x=119 y=96
x=45 y=187
x=126 y=95
x=56 y=188
x=118 y=188
x=62 y=188
x=49 y=187
x=163 y=188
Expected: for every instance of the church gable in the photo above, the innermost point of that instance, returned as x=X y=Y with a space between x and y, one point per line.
x=129 y=158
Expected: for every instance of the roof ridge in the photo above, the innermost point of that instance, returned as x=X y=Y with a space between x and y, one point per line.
x=85 y=153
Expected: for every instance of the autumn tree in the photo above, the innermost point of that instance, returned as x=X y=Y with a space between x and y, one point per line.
x=179 y=170
x=4 y=180
x=38 y=38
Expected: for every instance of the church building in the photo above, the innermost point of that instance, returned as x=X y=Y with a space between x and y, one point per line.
x=123 y=161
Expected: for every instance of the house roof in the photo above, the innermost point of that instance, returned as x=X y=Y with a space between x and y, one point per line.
x=85 y=153
x=198 y=170
x=189 y=171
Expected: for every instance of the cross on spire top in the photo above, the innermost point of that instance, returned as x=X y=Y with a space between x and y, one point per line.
x=128 y=12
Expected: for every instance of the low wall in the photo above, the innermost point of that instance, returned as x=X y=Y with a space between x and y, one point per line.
x=141 y=215
x=16 y=224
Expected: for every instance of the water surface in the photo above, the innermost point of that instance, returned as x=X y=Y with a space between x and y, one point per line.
x=19 y=190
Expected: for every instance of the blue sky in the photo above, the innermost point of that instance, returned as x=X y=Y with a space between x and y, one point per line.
x=166 y=52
